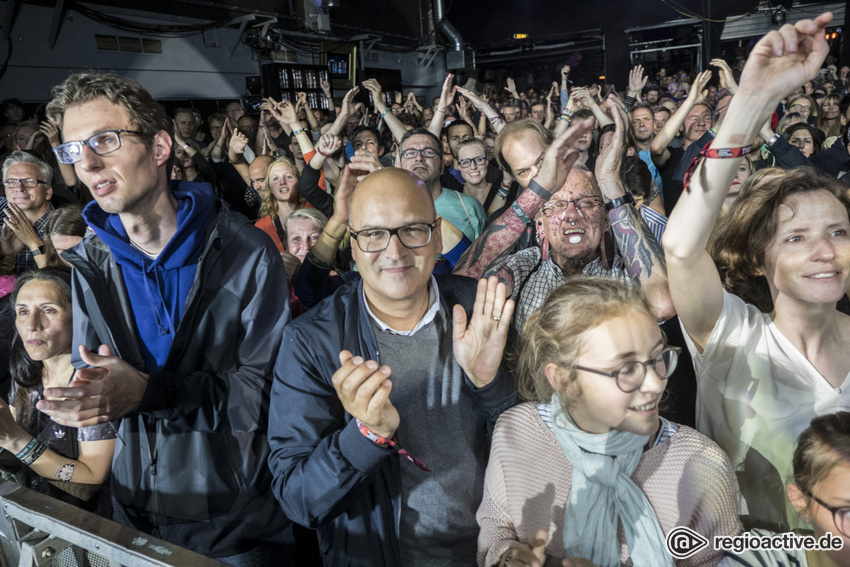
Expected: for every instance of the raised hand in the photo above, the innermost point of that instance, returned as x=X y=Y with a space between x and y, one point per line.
x=511 y=88
x=328 y=144
x=637 y=81
x=785 y=59
x=727 y=79
x=51 y=132
x=479 y=347
x=364 y=162
x=448 y=93
x=698 y=89
x=565 y=71
x=347 y=107
x=610 y=159
x=378 y=99
x=476 y=100
x=364 y=390
x=238 y=141
x=286 y=113
x=110 y=389
x=326 y=88
x=559 y=158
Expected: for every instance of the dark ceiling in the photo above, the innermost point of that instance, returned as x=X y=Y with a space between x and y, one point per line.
x=482 y=23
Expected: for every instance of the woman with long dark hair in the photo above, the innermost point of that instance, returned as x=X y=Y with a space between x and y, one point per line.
x=75 y=461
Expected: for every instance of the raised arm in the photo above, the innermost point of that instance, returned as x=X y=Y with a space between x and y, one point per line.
x=286 y=115
x=637 y=81
x=586 y=98
x=485 y=108
x=780 y=61
x=642 y=253
x=660 y=153
x=446 y=97
x=51 y=132
x=484 y=257
x=344 y=112
x=378 y=99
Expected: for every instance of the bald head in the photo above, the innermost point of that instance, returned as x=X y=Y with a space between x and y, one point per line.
x=389 y=188
x=258 y=169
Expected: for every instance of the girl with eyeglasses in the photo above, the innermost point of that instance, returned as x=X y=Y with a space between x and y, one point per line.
x=820 y=494
x=589 y=452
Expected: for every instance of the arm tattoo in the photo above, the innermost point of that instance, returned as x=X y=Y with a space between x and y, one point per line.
x=495 y=242
x=65 y=471
x=636 y=242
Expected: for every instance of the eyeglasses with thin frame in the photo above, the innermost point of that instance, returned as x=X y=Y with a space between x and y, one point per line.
x=414 y=235
x=799 y=108
x=840 y=514
x=28 y=182
x=466 y=162
x=101 y=143
x=630 y=376
x=557 y=207
x=411 y=153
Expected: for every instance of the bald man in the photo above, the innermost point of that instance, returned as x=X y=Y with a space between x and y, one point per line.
x=340 y=410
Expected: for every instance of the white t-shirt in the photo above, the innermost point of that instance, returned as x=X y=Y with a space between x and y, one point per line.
x=757 y=392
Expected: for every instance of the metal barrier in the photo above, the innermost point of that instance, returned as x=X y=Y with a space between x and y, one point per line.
x=40 y=531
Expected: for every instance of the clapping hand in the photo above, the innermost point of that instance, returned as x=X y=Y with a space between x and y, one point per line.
x=21 y=226
x=479 y=347
x=364 y=389
x=727 y=79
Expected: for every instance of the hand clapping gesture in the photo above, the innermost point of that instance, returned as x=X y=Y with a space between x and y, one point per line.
x=364 y=390
x=22 y=228
x=479 y=347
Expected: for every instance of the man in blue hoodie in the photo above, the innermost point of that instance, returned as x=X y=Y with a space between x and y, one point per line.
x=179 y=306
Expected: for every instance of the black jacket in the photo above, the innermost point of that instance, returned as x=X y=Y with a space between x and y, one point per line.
x=190 y=463
x=327 y=475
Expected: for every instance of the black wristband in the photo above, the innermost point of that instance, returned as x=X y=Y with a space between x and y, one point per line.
x=539 y=190
x=620 y=201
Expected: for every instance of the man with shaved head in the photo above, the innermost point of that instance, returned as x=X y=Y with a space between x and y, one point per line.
x=381 y=382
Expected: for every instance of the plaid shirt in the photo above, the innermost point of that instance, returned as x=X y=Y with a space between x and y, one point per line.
x=540 y=283
x=24 y=261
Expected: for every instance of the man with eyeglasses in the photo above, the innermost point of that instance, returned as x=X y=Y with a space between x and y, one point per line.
x=578 y=230
x=27 y=181
x=419 y=153
x=382 y=401
x=179 y=305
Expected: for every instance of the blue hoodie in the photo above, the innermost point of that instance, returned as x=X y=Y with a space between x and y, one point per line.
x=158 y=288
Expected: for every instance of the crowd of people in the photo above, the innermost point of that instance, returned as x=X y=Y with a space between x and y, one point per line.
x=541 y=328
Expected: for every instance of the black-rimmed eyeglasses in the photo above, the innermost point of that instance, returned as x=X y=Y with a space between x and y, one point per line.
x=101 y=143
x=28 y=182
x=415 y=235
x=840 y=514
x=630 y=375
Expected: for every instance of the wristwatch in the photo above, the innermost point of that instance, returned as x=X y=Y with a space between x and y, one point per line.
x=773 y=140
x=38 y=251
x=620 y=201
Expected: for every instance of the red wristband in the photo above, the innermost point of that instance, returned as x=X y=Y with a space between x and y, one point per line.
x=710 y=153
x=379 y=440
